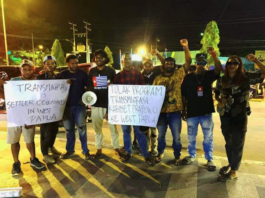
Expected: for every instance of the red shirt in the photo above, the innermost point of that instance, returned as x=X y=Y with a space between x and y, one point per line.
x=131 y=77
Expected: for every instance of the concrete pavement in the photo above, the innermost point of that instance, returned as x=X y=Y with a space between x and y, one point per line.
x=108 y=177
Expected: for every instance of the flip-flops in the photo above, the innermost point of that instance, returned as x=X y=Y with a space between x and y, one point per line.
x=224 y=170
x=227 y=177
x=158 y=158
x=211 y=166
x=188 y=160
x=150 y=161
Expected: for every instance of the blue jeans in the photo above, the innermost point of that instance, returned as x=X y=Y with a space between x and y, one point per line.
x=75 y=115
x=141 y=138
x=173 y=120
x=207 y=124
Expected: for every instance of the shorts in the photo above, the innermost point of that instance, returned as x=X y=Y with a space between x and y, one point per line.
x=14 y=133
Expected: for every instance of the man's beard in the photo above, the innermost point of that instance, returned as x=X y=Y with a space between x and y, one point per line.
x=147 y=72
x=170 y=69
x=101 y=65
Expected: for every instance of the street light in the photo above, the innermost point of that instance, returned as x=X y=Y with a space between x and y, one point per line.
x=4 y=29
x=142 y=51
x=40 y=47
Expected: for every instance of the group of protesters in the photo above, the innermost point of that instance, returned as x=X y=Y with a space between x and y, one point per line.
x=188 y=97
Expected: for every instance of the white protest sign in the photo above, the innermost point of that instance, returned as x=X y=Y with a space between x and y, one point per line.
x=35 y=101
x=138 y=105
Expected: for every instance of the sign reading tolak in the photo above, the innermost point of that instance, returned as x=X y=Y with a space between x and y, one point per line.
x=138 y=105
x=35 y=101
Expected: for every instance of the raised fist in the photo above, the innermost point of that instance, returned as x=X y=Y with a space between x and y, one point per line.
x=184 y=42
x=154 y=52
x=251 y=57
x=210 y=50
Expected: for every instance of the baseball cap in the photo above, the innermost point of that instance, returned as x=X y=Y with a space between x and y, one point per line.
x=26 y=62
x=49 y=57
x=201 y=57
x=148 y=61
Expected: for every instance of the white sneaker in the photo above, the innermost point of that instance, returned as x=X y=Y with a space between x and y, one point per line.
x=48 y=159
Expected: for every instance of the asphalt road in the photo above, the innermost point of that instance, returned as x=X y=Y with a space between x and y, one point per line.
x=255 y=138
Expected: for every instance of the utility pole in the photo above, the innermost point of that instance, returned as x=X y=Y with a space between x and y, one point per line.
x=87 y=45
x=4 y=29
x=74 y=30
x=33 y=51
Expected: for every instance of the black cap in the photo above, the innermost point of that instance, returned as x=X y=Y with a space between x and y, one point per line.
x=201 y=57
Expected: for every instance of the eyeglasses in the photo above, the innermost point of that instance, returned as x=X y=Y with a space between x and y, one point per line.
x=233 y=63
x=201 y=62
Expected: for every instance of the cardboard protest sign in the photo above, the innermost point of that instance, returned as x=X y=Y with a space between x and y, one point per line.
x=35 y=101
x=138 y=105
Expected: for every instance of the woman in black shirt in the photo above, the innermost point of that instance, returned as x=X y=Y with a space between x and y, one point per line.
x=232 y=106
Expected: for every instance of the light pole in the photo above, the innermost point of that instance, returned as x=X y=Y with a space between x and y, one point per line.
x=4 y=29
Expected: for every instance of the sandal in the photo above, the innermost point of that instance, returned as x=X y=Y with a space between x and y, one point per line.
x=150 y=161
x=126 y=157
x=188 y=160
x=177 y=161
x=158 y=158
x=224 y=170
x=226 y=177
x=211 y=166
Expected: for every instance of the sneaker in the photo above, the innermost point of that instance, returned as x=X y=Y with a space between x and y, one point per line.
x=177 y=161
x=36 y=163
x=153 y=153
x=66 y=155
x=16 y=170
x=88 y=156
x=54 y=151
x=48 y=159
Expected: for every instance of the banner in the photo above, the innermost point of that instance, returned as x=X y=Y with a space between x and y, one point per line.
x=138 y=105
x=35 y=101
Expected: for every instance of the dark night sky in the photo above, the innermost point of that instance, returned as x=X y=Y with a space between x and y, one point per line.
x=127 y=24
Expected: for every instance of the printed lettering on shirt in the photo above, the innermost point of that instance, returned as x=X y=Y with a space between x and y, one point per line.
x=100 y=82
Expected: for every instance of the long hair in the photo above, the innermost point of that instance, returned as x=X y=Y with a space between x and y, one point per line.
x=239 y=78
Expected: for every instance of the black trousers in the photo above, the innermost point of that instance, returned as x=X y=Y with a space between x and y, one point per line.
x=234 y=131
x=48 y=133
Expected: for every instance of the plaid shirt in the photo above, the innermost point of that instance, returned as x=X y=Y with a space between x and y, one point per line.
x=132 y=77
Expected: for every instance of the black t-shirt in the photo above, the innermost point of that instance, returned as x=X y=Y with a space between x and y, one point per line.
x=149 y=79
x=79 y=83
x=191 y=88
x=98 y=80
